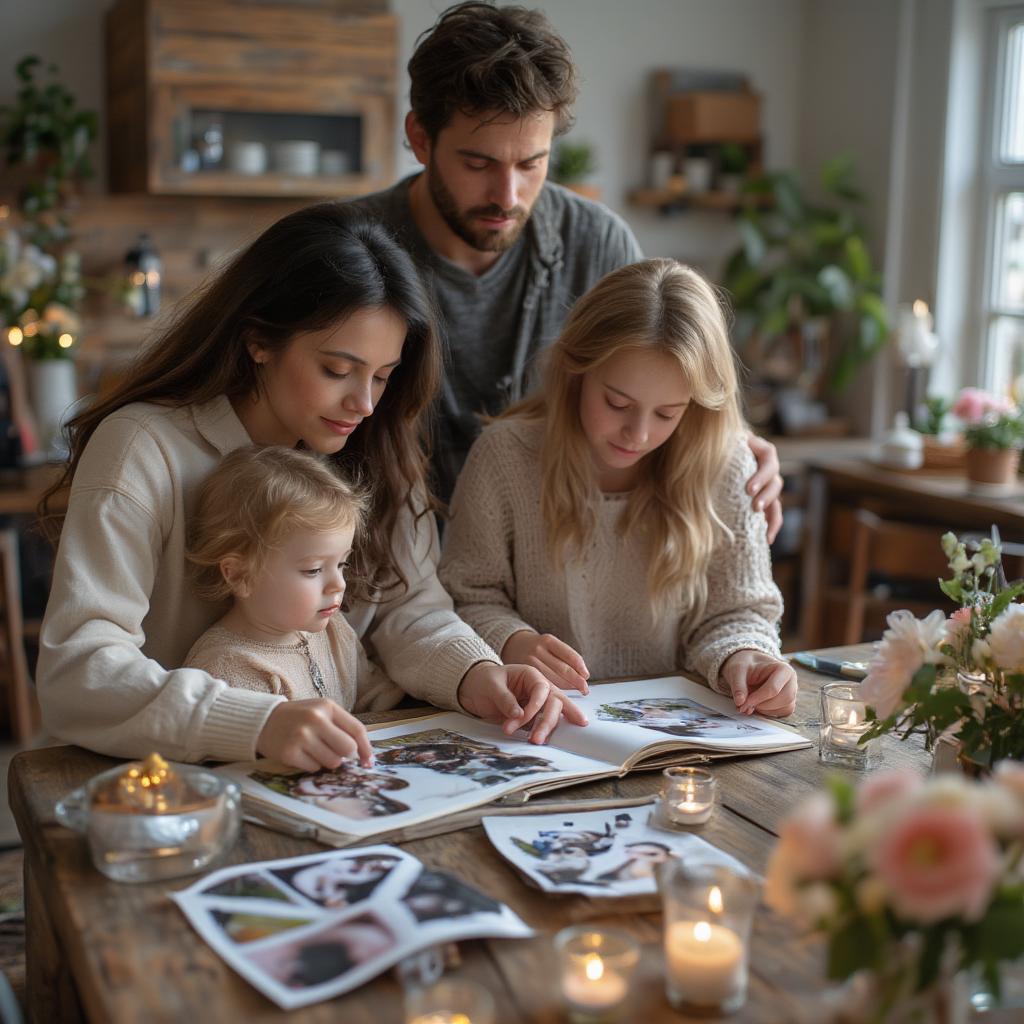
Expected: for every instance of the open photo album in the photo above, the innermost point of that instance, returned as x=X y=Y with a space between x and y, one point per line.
x=309 y=928
x=439 y=765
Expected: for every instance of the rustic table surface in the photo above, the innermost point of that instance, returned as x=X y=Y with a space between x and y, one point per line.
x=109 y=952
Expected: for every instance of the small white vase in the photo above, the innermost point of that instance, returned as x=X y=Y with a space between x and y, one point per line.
x=53 y=386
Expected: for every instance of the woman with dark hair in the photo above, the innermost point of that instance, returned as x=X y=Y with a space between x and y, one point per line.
x=318 y=333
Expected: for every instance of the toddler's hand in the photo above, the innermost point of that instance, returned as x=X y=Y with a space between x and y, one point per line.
x=555 y=660
x=760 y=683
x=313 y=734
x=516 y=695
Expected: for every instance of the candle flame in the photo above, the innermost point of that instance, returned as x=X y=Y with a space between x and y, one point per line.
x=920 y=307
x=854 y=718
x=702 y=931
x=715 y=900
x=593 y=966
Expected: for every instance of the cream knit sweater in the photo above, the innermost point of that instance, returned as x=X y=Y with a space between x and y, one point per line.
x=496 y=566
x=349 y=677
x=122 y=616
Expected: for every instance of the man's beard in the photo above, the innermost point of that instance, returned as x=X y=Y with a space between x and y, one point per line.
x=462 y=223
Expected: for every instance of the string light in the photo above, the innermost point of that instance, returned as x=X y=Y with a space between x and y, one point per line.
x=65 y=341
x=15 y=336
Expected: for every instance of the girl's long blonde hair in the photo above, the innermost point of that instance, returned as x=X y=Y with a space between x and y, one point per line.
x=664 y=305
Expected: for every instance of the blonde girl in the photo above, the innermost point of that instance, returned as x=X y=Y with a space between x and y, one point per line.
x=272 y=533
x=600 y=528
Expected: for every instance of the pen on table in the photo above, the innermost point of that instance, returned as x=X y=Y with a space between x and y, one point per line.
x=855 y=670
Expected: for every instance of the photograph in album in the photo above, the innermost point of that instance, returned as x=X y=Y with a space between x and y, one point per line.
x=431 y=767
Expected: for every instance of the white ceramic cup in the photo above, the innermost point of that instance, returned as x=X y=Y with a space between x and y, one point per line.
x=247 y=157
x=300 y=157
x=334 y=162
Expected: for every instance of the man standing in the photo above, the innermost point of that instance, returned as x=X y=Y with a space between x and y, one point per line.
x=505 y=252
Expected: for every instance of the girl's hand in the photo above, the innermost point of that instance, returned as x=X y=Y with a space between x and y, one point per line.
x=765 y=486
x=555 y=660
x=760 y=683
x=313 y=734
x=515 y=696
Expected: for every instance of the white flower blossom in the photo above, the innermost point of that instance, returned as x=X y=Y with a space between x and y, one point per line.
x=907 y=644
x=1006 y=639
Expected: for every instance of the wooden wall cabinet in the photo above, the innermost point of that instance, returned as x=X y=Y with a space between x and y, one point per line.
x=180 y=73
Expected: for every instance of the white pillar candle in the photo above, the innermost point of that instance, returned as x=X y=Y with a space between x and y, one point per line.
x=690 y=811
x=705 y=962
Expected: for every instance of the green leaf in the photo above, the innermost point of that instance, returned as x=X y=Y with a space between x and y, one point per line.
x=839 y=287
x=953 y=590
x=851 y=949
x=754 y=246
x=858 y=263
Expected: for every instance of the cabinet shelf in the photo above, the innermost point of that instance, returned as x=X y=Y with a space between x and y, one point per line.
x=667 y=199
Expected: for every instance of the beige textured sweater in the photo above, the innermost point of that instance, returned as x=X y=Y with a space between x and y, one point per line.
x=122 y=615
x=350 y=679
x=496 y=566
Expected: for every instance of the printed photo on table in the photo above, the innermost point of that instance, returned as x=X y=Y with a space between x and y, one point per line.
x=339 y=881
x=242 y=927
x=328 y=954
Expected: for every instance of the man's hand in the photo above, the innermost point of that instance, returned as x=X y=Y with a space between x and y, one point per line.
x=313 y=734
x=760 y=683
x=555 y=660
x=515 y=696
x=765 y=485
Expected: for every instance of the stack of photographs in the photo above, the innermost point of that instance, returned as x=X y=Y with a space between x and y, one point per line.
x=310 y=928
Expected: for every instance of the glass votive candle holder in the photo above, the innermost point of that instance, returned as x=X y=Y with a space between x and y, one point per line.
x=687 y=796
x=595 y=969
x=708 y=911
x=449 y=1001
x=843 y=723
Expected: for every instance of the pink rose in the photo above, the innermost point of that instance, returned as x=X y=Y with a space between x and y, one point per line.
x=807 y=851
x=1011 y=775
x=974 y=405
x=937 y=862
x=882 y=787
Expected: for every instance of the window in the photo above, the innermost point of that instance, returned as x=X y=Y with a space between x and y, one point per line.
x=1003 y=182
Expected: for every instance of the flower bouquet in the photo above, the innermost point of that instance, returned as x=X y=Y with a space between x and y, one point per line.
x=962 y=676
x=911 y=882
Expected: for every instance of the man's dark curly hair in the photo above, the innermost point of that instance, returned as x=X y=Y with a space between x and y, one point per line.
x=482 y=59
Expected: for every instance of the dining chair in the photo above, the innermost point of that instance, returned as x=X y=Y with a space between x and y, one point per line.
x=885 y=564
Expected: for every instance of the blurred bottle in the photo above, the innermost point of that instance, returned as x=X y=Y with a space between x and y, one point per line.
x=144 y=271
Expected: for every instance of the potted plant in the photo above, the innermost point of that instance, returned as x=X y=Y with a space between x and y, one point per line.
x=46 y=137
x=572 y=164
x=994 y=432
x=733 y=164
x=803 y=280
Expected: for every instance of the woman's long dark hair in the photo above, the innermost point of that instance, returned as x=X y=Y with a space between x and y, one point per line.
x=311 y=269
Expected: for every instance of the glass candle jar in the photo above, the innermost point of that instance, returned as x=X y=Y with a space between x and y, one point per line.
x=595 y=967
x=843 y=723
x=449 y=1001
x=687 y=796
x=708 y=913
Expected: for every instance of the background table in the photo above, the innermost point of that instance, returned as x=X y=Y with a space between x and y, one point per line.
x=117 y=953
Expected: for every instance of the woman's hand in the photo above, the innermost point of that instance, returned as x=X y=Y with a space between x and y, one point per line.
x=313 y=734
x=760 y=683
x=765 y=485
x=515 y=696
x=555 y=660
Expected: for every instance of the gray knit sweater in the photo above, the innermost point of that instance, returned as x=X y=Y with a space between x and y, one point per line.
x=496 y=566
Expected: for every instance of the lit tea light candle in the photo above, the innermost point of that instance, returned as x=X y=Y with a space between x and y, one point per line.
x=843 y=723
x=705 y=962
x=442 y=1017
x=689 y=796
x=449 y=1001
x=596 y=968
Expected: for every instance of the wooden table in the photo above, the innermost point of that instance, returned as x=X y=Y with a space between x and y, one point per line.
x=117 y=953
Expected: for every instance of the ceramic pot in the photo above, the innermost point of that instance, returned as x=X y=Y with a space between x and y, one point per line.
x=53 y=386
x=992 y=465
